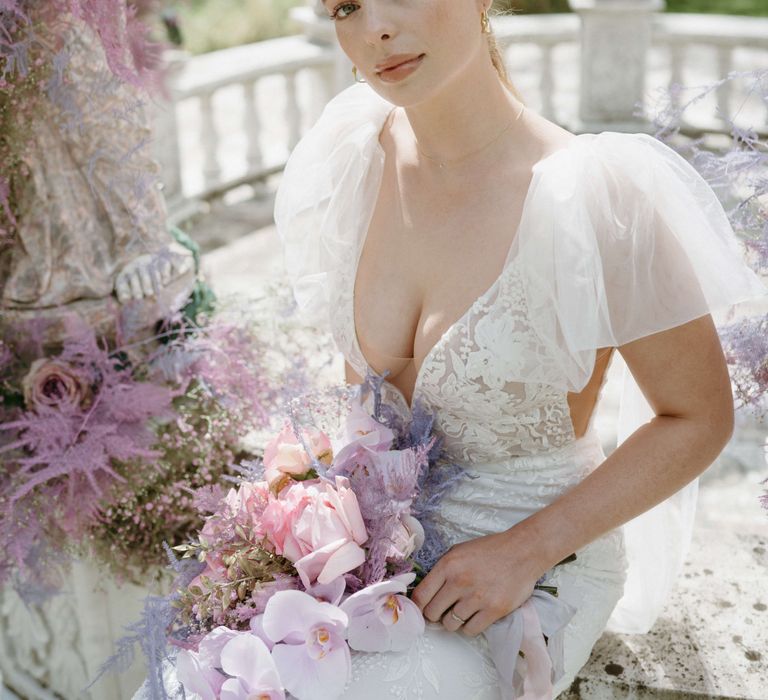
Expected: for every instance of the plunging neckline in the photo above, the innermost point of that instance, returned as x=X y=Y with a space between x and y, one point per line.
x=508 y=262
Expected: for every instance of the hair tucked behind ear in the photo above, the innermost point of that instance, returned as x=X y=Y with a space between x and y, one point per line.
x=498 y=63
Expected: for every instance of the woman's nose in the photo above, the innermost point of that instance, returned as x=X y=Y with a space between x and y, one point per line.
x=379 y=23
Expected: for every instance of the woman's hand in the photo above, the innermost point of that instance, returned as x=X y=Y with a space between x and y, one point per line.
x=480 y=580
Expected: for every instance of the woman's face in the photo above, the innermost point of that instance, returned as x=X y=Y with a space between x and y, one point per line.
x=443 y=37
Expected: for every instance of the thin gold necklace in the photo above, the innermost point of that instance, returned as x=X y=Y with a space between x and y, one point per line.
x=442 y=163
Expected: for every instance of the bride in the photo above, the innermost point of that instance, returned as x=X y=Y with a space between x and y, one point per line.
x=491 y=265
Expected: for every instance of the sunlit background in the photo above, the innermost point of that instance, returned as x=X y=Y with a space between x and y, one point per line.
x=208 y=25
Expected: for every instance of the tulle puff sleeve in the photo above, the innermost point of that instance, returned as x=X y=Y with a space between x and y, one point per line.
x=327 y=192
x=626 y=239
x=622 y=239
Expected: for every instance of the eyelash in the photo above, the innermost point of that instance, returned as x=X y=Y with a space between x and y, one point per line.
x=334 y=14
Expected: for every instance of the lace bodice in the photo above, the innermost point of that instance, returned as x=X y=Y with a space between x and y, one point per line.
x=468 y=376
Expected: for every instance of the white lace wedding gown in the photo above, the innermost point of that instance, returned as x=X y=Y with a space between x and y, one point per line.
x=619 y=238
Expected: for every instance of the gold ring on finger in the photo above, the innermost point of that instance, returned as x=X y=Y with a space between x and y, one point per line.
x=457 y=618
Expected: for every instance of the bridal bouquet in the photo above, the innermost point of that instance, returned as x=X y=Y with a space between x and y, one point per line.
x=312 y=554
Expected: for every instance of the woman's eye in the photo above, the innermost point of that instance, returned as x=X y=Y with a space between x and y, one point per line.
x=342 y=11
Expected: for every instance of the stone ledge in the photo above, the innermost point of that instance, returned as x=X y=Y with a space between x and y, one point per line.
x=711 y=639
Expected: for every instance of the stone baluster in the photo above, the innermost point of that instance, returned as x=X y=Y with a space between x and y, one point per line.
x=676 y=61
x=547 y=81
x=166 y=128
x=615 y=40
x=724 y=66
x=252 y=126
x=292 y=110
x=208 y=139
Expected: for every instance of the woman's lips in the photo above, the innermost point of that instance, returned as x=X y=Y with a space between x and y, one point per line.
x=403 y=70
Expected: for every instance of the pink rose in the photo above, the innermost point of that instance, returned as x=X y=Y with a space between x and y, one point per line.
x=285 y=455
x=54 y=383
x=407 y=538
x=246 y=504
x=279 y=516
x=319 y=528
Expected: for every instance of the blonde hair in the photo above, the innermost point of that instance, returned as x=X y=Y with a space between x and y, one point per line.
x=498 y=63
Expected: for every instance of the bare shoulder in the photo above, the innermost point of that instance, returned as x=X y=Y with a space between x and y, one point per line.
x=547 y=136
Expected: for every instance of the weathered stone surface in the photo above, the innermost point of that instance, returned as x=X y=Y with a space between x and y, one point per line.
x=712 y=639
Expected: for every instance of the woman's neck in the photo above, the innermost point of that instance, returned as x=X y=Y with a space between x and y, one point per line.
x=463 y=116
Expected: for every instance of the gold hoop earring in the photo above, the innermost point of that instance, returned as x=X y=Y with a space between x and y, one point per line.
x=485 y=23
x=354 y=72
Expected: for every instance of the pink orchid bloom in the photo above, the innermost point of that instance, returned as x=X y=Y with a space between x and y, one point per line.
x=199 y=671
x=197 y=677
x=257 y=629
x=310 y=650
x=329 y=592
x=381 y=618
x=253 y=674
x=363 y=429
x=363 y=435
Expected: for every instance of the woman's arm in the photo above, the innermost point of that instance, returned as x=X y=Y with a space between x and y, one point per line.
x=683 y=374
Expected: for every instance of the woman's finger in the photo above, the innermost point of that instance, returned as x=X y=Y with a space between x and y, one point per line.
x=441 y=601
x=428 y=588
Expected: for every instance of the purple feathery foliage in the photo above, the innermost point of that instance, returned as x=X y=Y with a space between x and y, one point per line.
x=439 y=481
x=60 y=457
x=226 y=359
x=435 y=476
x=384 y=484
x=434 y=484
x=249 y=470
x=130 y=53
x=737 y=174
x=745 y=344
x=207 y=499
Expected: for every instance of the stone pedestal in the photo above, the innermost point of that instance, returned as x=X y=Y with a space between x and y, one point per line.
x=54 y=650
x=615 y=39
x=99 y=314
